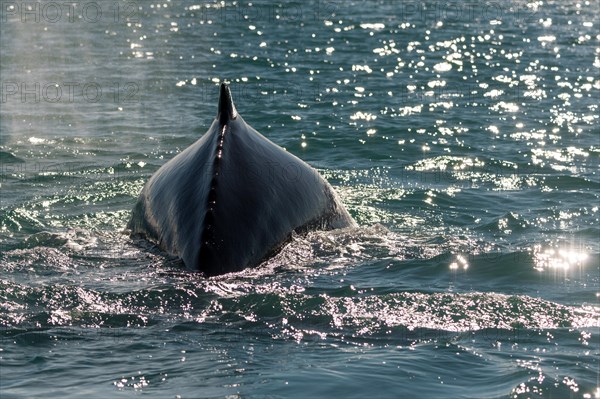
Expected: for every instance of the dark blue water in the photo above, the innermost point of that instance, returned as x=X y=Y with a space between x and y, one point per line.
x=463 y=137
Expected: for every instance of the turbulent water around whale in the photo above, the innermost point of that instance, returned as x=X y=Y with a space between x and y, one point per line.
x=462 y=137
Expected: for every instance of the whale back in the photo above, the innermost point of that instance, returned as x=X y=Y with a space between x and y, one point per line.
x=233 y=198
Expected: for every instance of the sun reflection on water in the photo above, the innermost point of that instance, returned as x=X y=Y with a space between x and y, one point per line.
x=558 y=258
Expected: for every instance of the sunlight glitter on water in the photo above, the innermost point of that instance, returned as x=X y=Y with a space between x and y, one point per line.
x=558 y=259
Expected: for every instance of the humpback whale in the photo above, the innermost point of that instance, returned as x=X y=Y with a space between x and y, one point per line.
x=233 y=198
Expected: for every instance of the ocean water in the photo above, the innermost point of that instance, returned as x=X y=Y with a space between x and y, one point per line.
x=463 y=137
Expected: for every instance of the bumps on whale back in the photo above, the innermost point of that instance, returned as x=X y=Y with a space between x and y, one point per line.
x=228 y=201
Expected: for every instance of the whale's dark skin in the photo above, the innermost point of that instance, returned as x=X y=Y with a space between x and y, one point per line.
x=233 y=198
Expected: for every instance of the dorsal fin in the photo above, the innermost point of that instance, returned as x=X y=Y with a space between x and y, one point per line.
x=227 y=109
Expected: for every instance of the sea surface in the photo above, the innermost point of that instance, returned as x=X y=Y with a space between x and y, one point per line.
x=463 y=137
